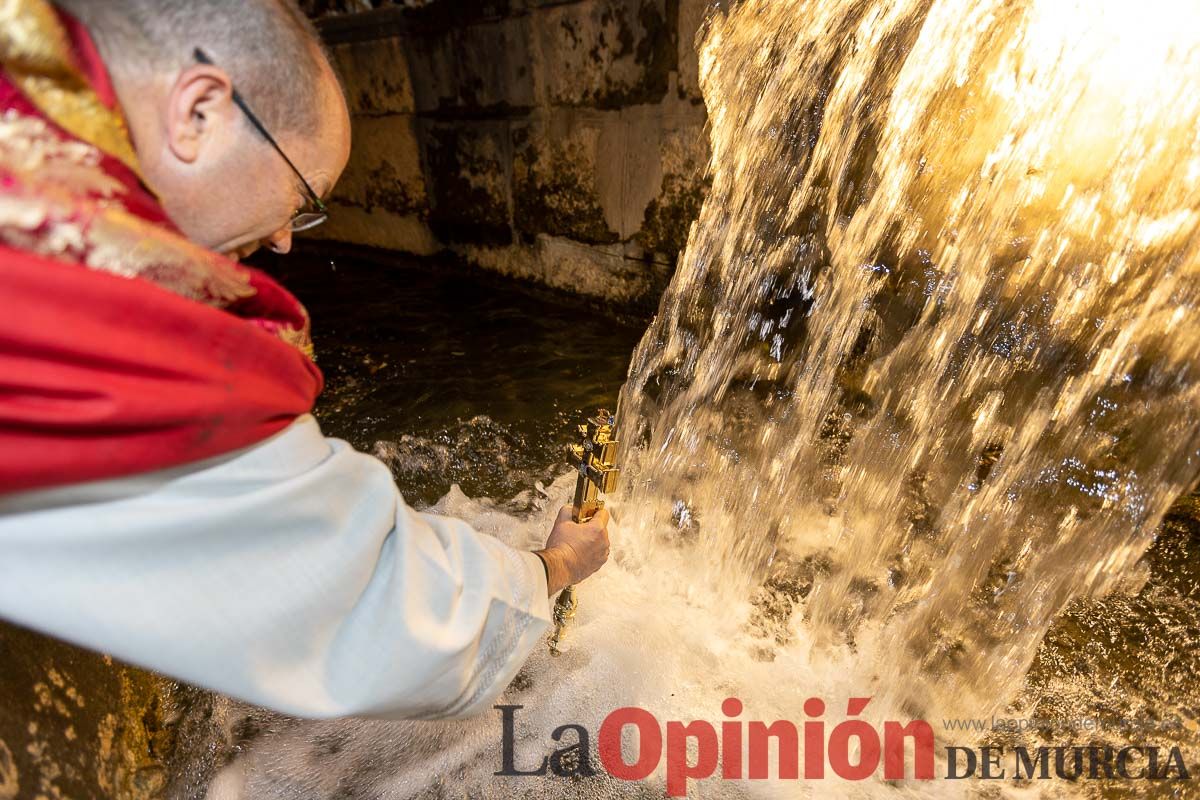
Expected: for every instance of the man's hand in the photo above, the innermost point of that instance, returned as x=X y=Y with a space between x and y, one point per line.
x=575 y=549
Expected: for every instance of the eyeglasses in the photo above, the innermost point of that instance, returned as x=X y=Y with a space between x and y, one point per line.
x=314 y=212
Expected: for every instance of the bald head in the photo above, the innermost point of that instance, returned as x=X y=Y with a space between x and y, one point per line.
x=218 y=178
x=268 y=47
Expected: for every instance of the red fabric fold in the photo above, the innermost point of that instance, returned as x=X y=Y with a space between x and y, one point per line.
x=103 y=376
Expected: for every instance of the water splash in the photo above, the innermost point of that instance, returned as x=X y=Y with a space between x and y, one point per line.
x=934 y=342
x=647 y=634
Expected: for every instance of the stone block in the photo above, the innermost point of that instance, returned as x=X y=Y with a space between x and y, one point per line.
x=469 y=70
x=385 y=166
x=630 y=166
x=384 y=170
x=556 y=188
x=375 y=76
x=468 y=175
x=614 y=272
x=606 y=53
x=691 y=17
x=668 y=217
x=74 y=723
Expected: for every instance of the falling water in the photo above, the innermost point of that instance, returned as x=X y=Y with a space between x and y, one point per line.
x=933 y=349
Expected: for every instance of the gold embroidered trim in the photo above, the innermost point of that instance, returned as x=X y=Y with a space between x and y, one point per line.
x=36 y=54
x=47 y=211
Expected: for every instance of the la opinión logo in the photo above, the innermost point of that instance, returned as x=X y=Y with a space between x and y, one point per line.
x=738 y=742
x=853 y=750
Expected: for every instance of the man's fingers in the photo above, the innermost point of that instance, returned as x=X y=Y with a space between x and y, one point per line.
x=599 y=519
x=600 y=524
x=584 y=546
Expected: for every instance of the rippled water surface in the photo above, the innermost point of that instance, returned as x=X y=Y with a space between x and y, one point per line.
x=453 y=376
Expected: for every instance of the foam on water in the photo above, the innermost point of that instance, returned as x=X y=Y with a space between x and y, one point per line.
x=649 y=633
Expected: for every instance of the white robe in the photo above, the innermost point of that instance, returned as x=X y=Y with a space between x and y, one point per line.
x=290 y=574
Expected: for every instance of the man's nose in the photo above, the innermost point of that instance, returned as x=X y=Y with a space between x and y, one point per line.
x=281 y=240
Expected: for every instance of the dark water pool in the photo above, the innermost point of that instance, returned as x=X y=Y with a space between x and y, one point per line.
x=451 y=375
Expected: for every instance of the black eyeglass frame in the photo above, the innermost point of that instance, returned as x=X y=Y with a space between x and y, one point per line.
x=302 y=220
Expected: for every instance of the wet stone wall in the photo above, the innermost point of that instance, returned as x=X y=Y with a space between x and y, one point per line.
x=562 y=142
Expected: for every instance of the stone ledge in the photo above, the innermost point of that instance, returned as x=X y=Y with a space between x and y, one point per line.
x=617 y=272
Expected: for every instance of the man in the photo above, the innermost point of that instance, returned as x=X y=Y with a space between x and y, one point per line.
x=164 y=494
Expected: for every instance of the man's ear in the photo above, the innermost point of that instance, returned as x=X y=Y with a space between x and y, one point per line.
x=200 y=105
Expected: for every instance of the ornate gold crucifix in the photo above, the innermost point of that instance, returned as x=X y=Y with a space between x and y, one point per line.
x=595 y=457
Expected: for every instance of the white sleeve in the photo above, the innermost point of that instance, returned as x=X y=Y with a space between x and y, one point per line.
x=290 y=574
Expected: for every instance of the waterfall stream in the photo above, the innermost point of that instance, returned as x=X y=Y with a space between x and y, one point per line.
x=934 y=347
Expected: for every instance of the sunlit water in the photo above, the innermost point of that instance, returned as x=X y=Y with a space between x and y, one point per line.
x=926 y=375
x=934 y=344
